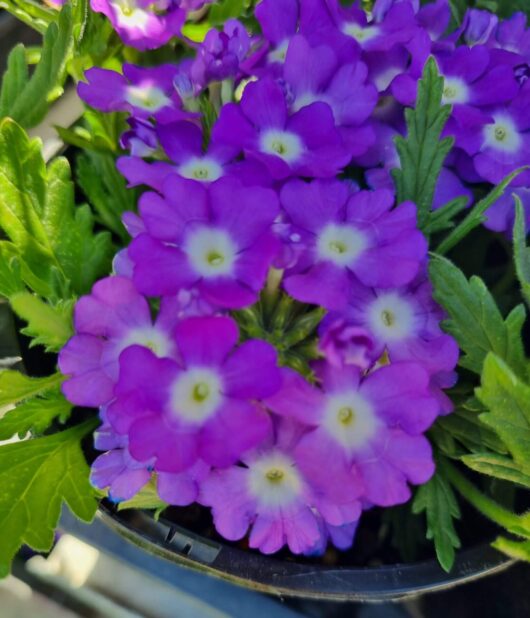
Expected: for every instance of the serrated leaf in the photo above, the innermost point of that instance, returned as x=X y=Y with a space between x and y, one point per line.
x=507 y=399
x=422 y=152
x=10 y=277
x=26 y=100
x=15 y=386
x=443 y=218
x=49 y=326
x=34 y=415
x=37 y=476
x=437 y=499
x=521 y=252
x=497 y=466
x=519 y=550
x=474 y=318
x=465 y=426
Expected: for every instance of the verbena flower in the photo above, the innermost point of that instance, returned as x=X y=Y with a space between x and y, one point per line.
x=216 y=240
x=202 y=403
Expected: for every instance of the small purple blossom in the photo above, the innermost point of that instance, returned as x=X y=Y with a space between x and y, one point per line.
x=203 y=404
x=337 y=232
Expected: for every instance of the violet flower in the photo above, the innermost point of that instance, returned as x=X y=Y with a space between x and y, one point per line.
x=203 y=405
x=340 y=244
x=216 y=240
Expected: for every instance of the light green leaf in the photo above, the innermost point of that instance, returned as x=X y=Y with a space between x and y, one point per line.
x=15 y=386
x=26 y=99
x=50 y=326
x=10 y=277
x=37 y=476
x=146 y=498
x=497 y=466
x=422 y=152
x=438 y=501
x=35 y=415
x=507 y=399
x=224 y=10
x=474 y=318
x=519 y=550
x=521 y=252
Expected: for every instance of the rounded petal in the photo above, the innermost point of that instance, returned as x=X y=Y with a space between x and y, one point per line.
x=206 y=340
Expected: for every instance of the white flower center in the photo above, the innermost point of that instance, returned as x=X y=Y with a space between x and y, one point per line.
x=361 y=35
x=201 y=168
x=196 y=395
x=279 y=53
x=149 y=337
x=391 y=317
x=341 y=244
x=129 y=15
x=274 y=480
x=146 y=97
x=350 y=419
x=502 y=134
x=455 y=91
x=283 y=144
x=211 y=252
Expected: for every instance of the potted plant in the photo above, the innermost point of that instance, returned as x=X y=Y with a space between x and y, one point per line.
x=282 y=293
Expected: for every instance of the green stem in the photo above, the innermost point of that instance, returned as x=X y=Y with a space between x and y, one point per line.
x=485 y=505
x=271 y=292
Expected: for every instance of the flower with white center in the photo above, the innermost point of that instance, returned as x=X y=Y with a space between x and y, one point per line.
x=391 y=317
x=146 y=97
x=196 y=395
x=340 y=244
x=203 y=169
x=350 y=419
x=149 y=337
x=284 y=144
x=360 y=34
x=455 y=91
x=130 y=16
x=211 y=252
x=502 y=134
x=274 y=480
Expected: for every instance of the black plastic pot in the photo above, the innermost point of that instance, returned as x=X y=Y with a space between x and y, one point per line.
x=295 y=579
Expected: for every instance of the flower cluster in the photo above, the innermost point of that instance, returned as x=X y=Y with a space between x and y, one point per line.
x=268 y=345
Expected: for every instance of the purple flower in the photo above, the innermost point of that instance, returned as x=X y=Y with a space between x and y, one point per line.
x=343 y=343
x=271 y=495
x=203 y=405
x=216 y=240
x=143 y=92
x=371 y=427
x=141 y=139
x=347 y=236
x=313 y=74
x=182 y=142
x=478 y=26
x=220 y=54
x=143 y=24
x=513 y=35
x=305 y=143
x=111 y=318
x=501 y=214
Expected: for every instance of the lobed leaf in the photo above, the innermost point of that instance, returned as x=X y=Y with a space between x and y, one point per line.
x=16 y=387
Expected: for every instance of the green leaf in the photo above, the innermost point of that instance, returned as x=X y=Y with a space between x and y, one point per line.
x=519 y=550
x=442 y=218
x=507 y=399
x=15 y=386
x=474 y=318
x=10 y=277
x=497 y=466
x=438 y=501
x=465 y=426
x=146 y=498
x=50 y=326
x=476 y=217
x=521 y=252
x=35 y=415
x=224 y=10
x=422 y=152
x=26 y=99
x=37 y=476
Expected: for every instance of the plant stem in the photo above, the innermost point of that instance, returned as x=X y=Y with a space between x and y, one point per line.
x=485 y=505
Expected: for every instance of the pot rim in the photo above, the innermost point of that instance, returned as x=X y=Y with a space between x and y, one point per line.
x=292 y=579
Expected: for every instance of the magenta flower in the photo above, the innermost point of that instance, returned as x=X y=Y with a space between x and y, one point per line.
x=372 y=427
x=347 y=236
x=111 y=318
x=305 y=143
x=143 y=92
x=214 y=239
x=271 y=495
x=203 y=405
x=182 y=142
x=343 y=343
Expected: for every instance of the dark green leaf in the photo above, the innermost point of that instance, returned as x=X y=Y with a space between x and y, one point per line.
x=422 y=152
x=438 y=501
x=442 y=218
x=497 y=466
x=474 y=318
x=37 y=476
x=521 y=252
